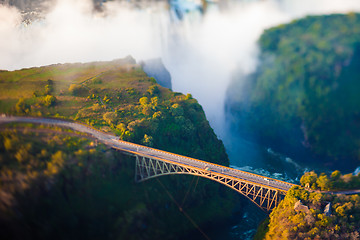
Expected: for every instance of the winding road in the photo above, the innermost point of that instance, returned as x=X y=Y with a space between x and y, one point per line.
x=114 y=142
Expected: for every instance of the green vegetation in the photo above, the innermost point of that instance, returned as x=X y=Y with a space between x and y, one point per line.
x=56 y=185
x=313 y=223
x=305 y=92
x=68 y=187
x=127 y=103
x=336 y=181
x=309 y=219
x=262 y=230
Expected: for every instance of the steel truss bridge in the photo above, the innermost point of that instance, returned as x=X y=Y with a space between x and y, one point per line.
x=265 y=192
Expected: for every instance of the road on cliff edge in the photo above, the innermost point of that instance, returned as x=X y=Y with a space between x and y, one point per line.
x=114 y=142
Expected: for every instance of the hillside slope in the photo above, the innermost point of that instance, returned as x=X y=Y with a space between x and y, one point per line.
x=113 y=96
x=305 y=214
x=304 y=93
x=61 y=187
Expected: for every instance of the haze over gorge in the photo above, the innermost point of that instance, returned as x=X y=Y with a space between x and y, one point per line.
x=201 y=51
x=245 y=76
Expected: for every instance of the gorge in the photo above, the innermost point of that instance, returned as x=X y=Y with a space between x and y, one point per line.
x=213 y=55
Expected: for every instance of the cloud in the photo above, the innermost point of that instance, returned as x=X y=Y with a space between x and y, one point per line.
x=301 y=8
x=10 y=40
x=224 y=43
x=71 y=32
x=201 y=53
x=205 y=60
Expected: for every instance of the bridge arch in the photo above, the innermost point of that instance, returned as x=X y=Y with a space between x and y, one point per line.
x=262 y=196
x=152 y=162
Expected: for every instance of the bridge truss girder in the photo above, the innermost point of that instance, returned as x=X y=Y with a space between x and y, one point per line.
x=264 y=197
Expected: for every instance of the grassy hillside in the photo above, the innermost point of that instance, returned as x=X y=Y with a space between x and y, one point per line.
x=59 y=185
x=304 y=94
x=114 y=97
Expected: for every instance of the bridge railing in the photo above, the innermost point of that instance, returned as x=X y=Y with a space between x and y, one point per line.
x=251 y=185
x=204 y=163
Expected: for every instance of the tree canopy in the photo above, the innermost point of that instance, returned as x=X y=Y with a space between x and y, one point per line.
x=304 y=93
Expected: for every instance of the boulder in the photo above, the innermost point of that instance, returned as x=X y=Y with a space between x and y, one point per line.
x=301 y=207
x=327 y=210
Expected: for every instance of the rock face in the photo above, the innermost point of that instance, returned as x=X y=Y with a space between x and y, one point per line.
x=300 y=207
x=156 y=69
x=34 y=9
x=327 y=209
x=23 y=4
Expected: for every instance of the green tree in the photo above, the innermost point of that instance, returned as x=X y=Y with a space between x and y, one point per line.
x=49 y=100
x=10 y=143
x=323 y=182
x=336 y=180
x=306 y=87
x=22 y=155
x=309 y=179
x=110 y=117
x=56 y=163
x=148 y=140
x=154 y=101
x=48 y=89
x=335 y=175
x=122 y=128
x=153 y=90
x=157 y=115
x=144 y=101
x=147 y=110
x=96 y=107
x=77 y=90
x=21 y=106
x=177 y=110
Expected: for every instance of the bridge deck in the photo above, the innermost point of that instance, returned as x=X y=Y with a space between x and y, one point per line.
x=144 y=151
x=202 y=165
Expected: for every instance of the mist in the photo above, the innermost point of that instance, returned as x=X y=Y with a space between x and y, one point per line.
x=202 y=51
x=71 y=32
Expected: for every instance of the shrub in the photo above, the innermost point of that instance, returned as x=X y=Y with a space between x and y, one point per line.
x=188 y=96
x=177 y=110
x=48 y=89
x=110 y=117
x=96 y=107
x=153 y=90
x=309 y=178
x=21 y=106
x=147 y=140
x=49 y=100
x=77 y=90
x=144 y=101
x=154 y=101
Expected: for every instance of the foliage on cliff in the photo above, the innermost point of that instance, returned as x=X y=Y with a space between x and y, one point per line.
x=305 y=91
x=336 y=181
x=303 y=214
x=56 y=186
x=288 y=223
x=116 y=97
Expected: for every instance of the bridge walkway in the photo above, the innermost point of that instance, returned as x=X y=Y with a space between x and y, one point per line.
x=265 y=192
